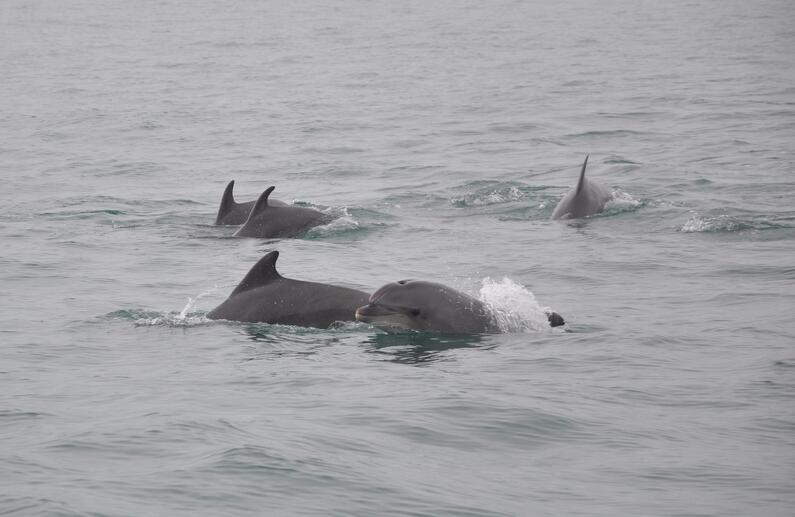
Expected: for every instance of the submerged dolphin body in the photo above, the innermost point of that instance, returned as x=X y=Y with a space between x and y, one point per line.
x=587 y=198
x=231 y=212
x=268 y=220
x=267 y=297
x=430 y=307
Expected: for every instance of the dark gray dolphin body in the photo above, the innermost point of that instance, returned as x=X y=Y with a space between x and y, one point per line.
x=267 y=297
x=587 y=198
x=267 y=220
x=429 y=307
x=231 y=212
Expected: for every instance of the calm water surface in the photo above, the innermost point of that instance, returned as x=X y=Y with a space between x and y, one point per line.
x=441 y=135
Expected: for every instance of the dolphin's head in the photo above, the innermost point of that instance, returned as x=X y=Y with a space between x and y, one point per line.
x=425 y=307
x=429 y=307
x=396 y=306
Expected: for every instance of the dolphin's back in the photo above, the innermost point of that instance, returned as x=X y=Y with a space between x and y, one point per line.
x=264 y=296
x=292 y=302
x=231 y=212
x=270 y=221
x=586 y=198
x=456 y=312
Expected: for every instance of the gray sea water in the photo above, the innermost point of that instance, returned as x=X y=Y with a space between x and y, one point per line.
x=441 y=134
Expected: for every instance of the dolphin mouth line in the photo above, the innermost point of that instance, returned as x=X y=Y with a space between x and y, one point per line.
x=386 y=318
x=373 y=311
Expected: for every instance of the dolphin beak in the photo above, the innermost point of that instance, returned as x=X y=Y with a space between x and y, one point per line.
x=372 y=312
x=384 y=317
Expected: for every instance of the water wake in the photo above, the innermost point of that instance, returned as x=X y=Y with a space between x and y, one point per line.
x=489 y=195
x=724 y=223
x=621 y=202
x=187 y=317
x=343 y=222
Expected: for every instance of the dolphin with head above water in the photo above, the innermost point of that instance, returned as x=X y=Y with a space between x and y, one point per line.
x=231 y=212
x=267 y=220
x=587 y=198
x=430 y=307
x=267 y=297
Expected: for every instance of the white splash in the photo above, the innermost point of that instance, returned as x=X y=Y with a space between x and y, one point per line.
x=343 y=221
x=489 y=198
x=700 y=223
x=185 y=318
x=695 y=223
x=621 y=201
x=514 y=308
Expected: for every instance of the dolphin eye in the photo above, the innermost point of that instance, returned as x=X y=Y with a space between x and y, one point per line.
x=414 y=312
x=401 y=282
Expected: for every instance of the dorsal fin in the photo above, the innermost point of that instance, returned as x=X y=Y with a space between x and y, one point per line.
x=262 y=202
x=582 y=174
x=263 y=272
x=227 y=202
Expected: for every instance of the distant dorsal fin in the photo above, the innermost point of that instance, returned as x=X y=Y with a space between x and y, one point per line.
x=227 y=201
x=263 y=272
x=582 y=174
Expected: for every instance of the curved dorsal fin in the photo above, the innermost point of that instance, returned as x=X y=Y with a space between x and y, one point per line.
x=582 y=174
x=262 y=202
x=227 y=201
x=263 y=272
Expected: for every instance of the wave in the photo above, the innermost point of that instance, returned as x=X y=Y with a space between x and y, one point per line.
x=119 y=212
x=187 y=317
x=621 y=202
x=490 y=194
x=608 y=133
x=144 y=318
x=347 y=222
x=620 y=160
x=724 y=223
x=13 y=415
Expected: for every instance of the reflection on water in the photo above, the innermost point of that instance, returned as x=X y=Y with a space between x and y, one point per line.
x=262 y=332
x=285 y=340
x=419 y=348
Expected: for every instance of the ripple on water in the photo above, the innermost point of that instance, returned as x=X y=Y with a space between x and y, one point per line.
x=622 y=202
x=484 y=193
x=11 y=416
x=349 y=223
x=145 y=318
x=421 y=349
x=522 y=426
x=727 y=223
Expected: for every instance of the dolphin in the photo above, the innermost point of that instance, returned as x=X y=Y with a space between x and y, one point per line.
x=267 y=297
x=430 y=307
x=231 y=212
x=587 y=198
x=266 y=220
